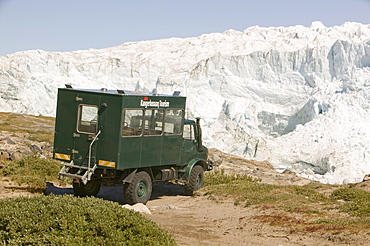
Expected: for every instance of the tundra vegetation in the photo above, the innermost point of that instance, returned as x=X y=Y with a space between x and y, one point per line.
x=32 y=172
x=310 y=207
x=35 y=128
x=68 y=220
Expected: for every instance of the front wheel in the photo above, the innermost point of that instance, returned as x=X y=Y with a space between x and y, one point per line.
x=139 y=190
x=195 y=181
x=91 y=188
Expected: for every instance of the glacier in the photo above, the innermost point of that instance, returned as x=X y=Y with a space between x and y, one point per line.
x=298 y=97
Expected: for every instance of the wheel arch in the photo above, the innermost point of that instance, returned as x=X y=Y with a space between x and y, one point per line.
x=193 y=162
x=128 y=176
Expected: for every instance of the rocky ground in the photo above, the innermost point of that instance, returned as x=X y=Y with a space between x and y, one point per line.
x=194 y=220
x=25 y=135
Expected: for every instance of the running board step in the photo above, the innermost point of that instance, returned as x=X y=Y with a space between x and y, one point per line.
x=83 y=173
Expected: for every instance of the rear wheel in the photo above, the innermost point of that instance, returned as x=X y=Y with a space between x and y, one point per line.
x=139 y=190
x=91 y=188
x=195 y=181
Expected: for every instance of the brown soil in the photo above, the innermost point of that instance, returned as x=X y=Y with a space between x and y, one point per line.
x=205 y=220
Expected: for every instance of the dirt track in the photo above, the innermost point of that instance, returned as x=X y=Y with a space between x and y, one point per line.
x=207 y=220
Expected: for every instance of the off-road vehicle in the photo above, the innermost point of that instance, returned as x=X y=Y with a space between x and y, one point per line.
x=129 y=137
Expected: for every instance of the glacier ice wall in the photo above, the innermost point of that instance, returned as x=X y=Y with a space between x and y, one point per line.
x=296 y=96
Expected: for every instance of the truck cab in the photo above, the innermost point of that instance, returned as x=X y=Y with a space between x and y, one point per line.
x=128 y=137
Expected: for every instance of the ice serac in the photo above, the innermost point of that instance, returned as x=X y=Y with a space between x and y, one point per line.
x=296 y=96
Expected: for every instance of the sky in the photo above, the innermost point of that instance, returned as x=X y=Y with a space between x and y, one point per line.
x=68 y=25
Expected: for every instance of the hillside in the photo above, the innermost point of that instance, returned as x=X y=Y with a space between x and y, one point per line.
x=281 y=208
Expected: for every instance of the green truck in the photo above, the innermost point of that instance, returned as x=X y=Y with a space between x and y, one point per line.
x=128 y=137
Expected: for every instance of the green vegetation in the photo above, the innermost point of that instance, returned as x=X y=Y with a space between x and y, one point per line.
x=67 y=220
x=357 y=202
x=249 y=191
x=32 y=171
x=219 y=177
x=36 y=128
x=303 y=208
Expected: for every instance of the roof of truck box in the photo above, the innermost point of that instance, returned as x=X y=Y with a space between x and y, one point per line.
x=122 y=92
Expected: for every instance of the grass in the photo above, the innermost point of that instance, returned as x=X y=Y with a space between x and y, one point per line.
x=248 y=191
x=302 y=208
x=29 y=171
x=32 y=171
x=35 y=128
x=356 y=201
x=68 y=220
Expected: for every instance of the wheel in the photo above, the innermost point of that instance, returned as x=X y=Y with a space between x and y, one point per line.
x=139 y=190
x=195 y=181
x=90 y=189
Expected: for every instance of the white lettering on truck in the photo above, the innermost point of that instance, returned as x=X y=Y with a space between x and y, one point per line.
x=154 y=104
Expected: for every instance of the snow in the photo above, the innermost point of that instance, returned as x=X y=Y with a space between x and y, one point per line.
x=298 y=97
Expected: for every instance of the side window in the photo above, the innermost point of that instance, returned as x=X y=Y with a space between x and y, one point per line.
x=132 y=122
x=153 y=122
x=189 y=133
x=173 y=121
x=87 y=119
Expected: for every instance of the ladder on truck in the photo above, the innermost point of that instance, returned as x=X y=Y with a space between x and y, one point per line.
x=83 y=173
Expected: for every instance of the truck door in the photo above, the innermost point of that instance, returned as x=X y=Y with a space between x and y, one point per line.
x=189 y=146
x=87 y=128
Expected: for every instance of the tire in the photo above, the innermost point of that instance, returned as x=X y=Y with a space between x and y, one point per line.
x=139 y=190
x=92 y=188
x=195 y=181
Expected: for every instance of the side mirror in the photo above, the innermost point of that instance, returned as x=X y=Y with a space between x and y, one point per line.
x=200 y=144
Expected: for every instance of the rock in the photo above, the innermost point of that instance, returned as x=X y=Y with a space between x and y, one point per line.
x=138 y=207
x=8 y=140
x=164 y=207
x=16 y=155
x=4 y=155
x=35 y=149
x=215 y=159
x=367 y=177
x=286 y=171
